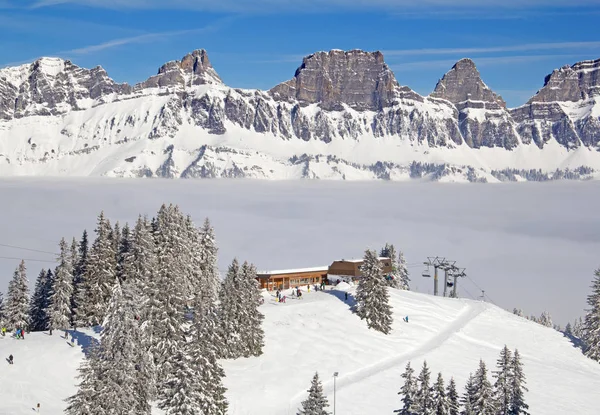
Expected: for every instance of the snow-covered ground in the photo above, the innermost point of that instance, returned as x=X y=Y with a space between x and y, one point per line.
x=320 y=333
x=529 y=245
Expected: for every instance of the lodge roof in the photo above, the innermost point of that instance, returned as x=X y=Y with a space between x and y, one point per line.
x=293 y=271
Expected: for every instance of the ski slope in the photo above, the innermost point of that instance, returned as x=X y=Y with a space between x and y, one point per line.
x=320 y=333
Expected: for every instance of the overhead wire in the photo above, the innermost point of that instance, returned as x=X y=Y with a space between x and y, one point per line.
x=28 y=259
x=28 y=249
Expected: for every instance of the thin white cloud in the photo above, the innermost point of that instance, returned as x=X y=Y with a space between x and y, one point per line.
x=270 y=6
x=144 y=38
x=527 y=47
x=496 y=60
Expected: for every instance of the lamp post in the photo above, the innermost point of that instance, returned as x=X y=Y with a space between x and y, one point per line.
x=335 y=375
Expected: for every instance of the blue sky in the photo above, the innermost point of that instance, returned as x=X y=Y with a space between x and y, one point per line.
x=259 y=43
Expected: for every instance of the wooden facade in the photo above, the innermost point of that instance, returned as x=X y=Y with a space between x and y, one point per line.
x=351 y=268
x=284 y=279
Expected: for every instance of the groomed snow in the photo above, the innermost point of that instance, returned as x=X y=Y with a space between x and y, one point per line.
x=320 y=333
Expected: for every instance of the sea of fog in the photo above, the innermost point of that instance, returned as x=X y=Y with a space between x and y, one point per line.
x=528 y=245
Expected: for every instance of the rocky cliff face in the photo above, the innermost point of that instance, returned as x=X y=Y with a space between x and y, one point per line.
x=343 y=112
x=362 y=80
x=482 y=118
x=51 y=86
x=565 y=109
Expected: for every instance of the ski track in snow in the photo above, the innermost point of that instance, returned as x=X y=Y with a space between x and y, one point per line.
x=469 y=313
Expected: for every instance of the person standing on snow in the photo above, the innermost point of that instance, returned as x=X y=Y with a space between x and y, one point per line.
x=10 y=359
x=346 y=296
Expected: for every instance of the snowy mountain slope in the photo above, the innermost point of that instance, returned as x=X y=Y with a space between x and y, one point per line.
x=319 y=333
x=59 y=119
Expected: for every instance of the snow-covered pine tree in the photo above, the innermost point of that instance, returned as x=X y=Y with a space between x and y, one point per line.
x=372 y=297
x=211 y=278
x=85 y=401
x=59 y=308
x=518 y=405
x=483 y=394
x=180 y=393
x=393 y=278
x=99 y=277
x=231 y=312
x=591 y=327
x=17 y=301
x=123 y=251
x=38 y=318
x=194 y=264
x=2 y=316
x=251 y=331
x=115 y=237
x=468 y=398
x=79 y=273
x=518 y=312
x=453 y=399
x=579 y=329
x=408 y=393
x=171 y=297
x=403 y=272
x=568 y=330
x=440 y=400
x=503 y=384
x=424 y=397
x=316 y=402
x=545 y=319
x=125 y=365
x=205 y=350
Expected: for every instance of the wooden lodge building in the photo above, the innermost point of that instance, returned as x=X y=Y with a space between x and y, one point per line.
x=348 y=270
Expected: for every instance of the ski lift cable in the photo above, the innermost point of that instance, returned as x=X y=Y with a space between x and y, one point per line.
x=28 y=259
x=28 y=249
x=481 y=289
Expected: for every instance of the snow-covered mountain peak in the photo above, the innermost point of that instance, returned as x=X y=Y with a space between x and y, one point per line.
x=362 y=80
x=463 y=86
x=571 y=83
x=193 y=69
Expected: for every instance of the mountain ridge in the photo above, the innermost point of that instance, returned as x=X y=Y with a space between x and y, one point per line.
x=336 y=101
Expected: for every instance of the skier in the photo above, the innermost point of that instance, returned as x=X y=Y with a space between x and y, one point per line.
x=10 y=359
x=283 y=299
x=3 y=331
x=308 y=287
x=18 y=334
x=346 y=296
x=22 y=334
x=405 y=319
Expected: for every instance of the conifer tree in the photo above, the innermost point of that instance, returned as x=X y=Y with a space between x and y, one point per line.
x=115 y=237
x=518 y=312
x=579 y=329
x=204 y=355
x=408 y=393
x=17 y=301
x=468 y=399
x=545 y=319
x=180 y=393
x=503 y=384
x=403 y=272
x=424 y=398
x=316 y=402
x=568 y=330
x=483 y=395
x=372 y=297
x=453 y=399
x=124 y=247
x=39 y=303
x=518 y=405
x=440 y=400
x=85 y=401
x=59 y=308
x=171 y=298
x=99 y=277
x=231 y=312
x=79 y=274
x=251 y=331
x=393 y=278
x=591 y=327
x=211 y=278
x=2 y=315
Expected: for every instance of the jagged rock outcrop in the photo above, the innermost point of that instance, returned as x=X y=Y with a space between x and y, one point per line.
x=362 y=80
x=52 y=86
x=482 y=118
x=194 y=69
x=563 y=110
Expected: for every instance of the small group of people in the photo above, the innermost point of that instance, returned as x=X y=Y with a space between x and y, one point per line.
x=20 y=334
x=280 y=298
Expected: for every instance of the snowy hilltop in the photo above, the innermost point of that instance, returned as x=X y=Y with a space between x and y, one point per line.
x=343 y=116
